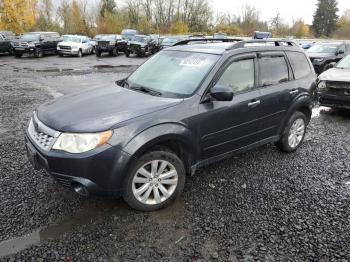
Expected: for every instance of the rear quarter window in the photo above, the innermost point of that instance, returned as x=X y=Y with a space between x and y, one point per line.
x=300 y=64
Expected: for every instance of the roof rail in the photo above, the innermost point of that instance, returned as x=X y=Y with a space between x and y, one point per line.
x=275 y=42
x=208 y=40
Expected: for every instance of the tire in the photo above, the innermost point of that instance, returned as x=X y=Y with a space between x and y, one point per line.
x=18 y=55
x=80 y=53
x=293 y=134
x=38 y=53
x=151 y=184
x=98 y=53
x=61 y=55
x=127 y=53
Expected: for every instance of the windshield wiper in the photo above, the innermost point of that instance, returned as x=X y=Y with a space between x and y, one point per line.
x=146 y=90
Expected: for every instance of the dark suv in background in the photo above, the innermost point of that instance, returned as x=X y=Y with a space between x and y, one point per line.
x=142 y=45
x=6 y=37
x=324 y=55
x=111 y=44
x=186 y=107
x=36 y=43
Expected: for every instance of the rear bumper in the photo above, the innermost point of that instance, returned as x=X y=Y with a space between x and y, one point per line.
x=334 y=101
x=100 y=171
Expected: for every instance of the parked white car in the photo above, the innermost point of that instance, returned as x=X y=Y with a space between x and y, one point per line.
x=77 y=45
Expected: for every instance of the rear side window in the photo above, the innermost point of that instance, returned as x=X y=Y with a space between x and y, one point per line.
x=300 y=64
x=273 y=70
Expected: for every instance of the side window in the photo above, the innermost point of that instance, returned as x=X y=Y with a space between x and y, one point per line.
x=300 y=64
x=239 y=76
x=273 y=70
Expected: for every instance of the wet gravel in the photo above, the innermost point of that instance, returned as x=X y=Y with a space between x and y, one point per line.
x=260 y=205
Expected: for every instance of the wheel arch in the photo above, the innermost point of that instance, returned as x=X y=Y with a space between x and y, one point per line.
x=302 y=104
x=173 y=137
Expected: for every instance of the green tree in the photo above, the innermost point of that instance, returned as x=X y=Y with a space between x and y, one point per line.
x=107 y=6
x=325 y=18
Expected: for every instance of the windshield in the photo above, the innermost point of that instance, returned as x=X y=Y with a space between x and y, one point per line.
x=173 y=73
x=69 y=38
x=30 y=37
x=324 y=48
x=139 y=39
x=107 y=38
x=344 y=63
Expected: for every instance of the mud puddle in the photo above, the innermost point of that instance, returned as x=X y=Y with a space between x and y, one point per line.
x=87 y=215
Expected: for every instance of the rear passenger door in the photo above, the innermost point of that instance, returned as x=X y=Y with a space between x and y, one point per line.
x=277 y=90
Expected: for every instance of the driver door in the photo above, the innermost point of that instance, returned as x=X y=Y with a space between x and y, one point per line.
x=227 y=126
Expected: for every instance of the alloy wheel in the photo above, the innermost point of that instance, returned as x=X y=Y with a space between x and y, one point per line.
x=155 y=182
x=296 y=133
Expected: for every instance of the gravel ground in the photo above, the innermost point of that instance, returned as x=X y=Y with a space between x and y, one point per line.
x=260 y=205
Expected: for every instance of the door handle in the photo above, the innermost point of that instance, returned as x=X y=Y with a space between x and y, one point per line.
x=294 y=91
x=254 y=103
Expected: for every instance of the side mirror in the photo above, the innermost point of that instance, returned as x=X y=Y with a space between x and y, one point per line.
x=221 y=93
x=340 y=52
x=120 y=82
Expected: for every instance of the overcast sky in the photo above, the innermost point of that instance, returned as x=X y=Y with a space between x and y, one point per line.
x=289 y=9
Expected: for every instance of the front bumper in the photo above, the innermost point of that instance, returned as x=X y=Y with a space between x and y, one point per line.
x=67 y=52
x=105 y=48
x=334 y=101
x=24 y=50
x=100 y=171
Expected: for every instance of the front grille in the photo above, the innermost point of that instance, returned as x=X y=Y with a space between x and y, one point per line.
x=103 y=44
x=338 y=88
x=42 y=135
x=24 y=44
x=65 y=47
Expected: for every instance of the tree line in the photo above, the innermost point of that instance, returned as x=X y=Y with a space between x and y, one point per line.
x=162 y=17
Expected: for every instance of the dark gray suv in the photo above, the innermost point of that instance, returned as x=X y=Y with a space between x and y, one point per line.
x=186 y=107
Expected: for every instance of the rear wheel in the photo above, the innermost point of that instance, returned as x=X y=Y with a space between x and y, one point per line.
x=293 y=134
x=155 y=181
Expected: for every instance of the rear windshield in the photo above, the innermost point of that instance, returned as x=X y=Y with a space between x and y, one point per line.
x=174 y=73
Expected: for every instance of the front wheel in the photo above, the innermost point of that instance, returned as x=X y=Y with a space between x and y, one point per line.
x=293 y=134
x=155 y=181
x=38 y=53
x=80 y=53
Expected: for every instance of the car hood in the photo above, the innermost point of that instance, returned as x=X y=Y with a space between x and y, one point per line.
x=336 y=74
x=137 y=43
x=319 y=55
x=100 y=109
x=68 y=43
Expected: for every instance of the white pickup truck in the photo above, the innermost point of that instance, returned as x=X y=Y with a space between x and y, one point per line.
x=77 y=45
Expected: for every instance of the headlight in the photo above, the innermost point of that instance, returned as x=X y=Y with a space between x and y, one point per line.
x=319 y=59
x=322 y=85
x=112 y=43
x=31 y=45
x=79 y=143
